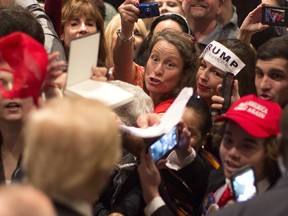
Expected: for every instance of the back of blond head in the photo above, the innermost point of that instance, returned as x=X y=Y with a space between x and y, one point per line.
x=24 y=200
x=71 y=146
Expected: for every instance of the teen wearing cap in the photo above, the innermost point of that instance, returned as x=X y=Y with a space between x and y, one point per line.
x=274 y=201
x=251 y=127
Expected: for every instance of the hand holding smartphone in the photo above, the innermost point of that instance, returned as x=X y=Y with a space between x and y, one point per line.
x=243 y=184
x=164 y=144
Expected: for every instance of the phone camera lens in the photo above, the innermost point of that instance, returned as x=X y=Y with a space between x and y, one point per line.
x=147 y=12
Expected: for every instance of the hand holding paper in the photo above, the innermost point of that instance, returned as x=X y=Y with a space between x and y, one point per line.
x=168 y=120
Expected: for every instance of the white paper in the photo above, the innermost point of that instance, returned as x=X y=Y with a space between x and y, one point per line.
x=109 y=94
x=83 y=56
x=222 y=58
x=170 y=118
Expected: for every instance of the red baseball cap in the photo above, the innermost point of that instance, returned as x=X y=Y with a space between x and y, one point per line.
x=260 y=118
x=28 y=60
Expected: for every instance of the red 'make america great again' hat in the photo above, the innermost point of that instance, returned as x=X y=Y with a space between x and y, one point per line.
x=260 y=118
x=28 y=60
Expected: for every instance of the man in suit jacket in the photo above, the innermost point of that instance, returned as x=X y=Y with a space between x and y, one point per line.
x=272 y=202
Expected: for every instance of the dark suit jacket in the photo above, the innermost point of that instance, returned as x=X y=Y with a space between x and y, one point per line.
x=64 y=210
x=215 y=181
x=163 y=211
x=196 y=176
x=271 y=203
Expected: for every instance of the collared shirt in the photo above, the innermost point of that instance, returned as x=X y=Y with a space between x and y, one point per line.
x=219 y=33
x=155 y=204
x=232 y=26
x=174 y=163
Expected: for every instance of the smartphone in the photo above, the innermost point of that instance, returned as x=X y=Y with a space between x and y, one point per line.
x=226 y=92
x=275 y=16
x=164 y=144
x=243 y=183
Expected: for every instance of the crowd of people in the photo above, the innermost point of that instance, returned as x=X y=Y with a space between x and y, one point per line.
x=63 y=155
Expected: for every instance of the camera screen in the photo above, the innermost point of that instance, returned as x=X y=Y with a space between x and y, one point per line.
x=163 y=145
x=274 y=16
x=243 y=186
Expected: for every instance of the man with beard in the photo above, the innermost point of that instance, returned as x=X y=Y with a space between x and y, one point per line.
x=202 y=18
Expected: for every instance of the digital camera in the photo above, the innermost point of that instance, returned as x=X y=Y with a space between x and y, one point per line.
x=147 y=10
x=275 y=16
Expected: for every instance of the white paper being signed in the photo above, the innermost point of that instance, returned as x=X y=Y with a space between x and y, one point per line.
x=170 y=118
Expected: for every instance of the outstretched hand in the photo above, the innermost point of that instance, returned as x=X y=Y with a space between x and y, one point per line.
x=149 y=177
x=184 y=148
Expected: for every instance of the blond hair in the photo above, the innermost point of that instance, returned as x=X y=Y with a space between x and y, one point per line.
x=113 y=26
x=71 y=147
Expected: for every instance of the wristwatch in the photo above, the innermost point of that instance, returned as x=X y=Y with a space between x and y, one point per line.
x=122 y=37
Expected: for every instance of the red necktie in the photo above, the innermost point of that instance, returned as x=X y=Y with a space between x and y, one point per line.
x=226 y=196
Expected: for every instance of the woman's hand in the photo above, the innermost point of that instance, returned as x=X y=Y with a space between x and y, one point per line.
x=149 y=177
x=184 y=148
x=149 y=119
x=218 y=101
x=56 y=79
x=129 y=15
x=99 y=73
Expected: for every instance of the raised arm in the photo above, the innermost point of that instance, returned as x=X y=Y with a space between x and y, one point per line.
x=124 y=48
x=251 y=25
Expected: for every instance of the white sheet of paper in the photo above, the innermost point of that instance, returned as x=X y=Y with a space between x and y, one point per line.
x=169 y=119
x=83 y=56
x=109 y=94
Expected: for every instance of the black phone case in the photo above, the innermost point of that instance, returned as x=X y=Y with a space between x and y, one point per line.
x=226 y=92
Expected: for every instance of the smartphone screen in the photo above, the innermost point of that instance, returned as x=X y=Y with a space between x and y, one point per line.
x=164 y=144
x=243 y=184
x=226 y=92
x=275 y=16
